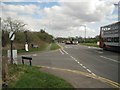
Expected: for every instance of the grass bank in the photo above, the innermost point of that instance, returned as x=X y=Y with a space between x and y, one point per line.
x=54 y=46
x=31 y=77
x=34 y=49
x=19 y=51
x=90 y=44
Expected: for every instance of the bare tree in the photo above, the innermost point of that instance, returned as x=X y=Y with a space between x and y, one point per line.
x=12 y=25
x=8 y=25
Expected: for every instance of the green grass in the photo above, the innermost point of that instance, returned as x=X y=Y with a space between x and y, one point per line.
x=31 y=77
x=90 y=44
x=33 y=49
x=19 y=51
x=54 y=46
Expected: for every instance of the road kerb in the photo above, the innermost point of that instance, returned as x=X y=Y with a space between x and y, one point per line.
x=110 y=82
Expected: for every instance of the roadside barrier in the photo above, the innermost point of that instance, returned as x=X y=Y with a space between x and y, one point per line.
x=26 y=58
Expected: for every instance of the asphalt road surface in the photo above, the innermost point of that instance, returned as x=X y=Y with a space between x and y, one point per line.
x=82 y=58
x=95 y=60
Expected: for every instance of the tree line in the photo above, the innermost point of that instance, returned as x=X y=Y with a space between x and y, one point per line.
x=79 y=39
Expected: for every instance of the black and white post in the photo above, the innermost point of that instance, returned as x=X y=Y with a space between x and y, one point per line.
x=11 y=37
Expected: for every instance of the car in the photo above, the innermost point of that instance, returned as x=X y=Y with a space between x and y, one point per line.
x=75 y=42
x=67 y=42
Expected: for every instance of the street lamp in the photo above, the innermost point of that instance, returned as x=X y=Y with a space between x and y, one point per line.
x=118 y=5
x=85 y=31
x=119 y=11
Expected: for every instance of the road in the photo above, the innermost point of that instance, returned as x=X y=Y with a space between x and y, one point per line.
x=95 y=60
x=81 y=58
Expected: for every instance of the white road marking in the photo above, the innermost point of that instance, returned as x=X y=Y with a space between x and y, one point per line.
x=94 y=47
x=34 y=54
x=89 y=47
x=88 y=70
x=99 y=52
x=64 y=51
x=74 y=58
x=78 y=62
x=93 y=74
x=84 y=67
x=68 y=47
x=61 y=51
x=110 y=59
x=71 y=56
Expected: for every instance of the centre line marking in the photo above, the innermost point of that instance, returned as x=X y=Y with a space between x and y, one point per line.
x=78 y=62
x=88 y=70
x=110 y=59
x=84 y=67
x=61 y=51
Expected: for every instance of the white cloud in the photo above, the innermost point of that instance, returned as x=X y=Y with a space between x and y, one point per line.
x=64 y=19
x=25 y=9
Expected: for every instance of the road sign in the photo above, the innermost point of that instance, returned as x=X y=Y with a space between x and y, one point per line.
x=11 y=36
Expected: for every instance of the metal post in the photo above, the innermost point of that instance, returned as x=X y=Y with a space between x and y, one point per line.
x=30 y=63
x=11 y=52
x=22 y=61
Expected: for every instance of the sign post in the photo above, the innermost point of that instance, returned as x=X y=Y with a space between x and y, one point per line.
x=11 y=37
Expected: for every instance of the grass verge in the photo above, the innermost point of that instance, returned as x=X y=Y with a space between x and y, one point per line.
x=31 y=77
x=33 y=49
x=54 y=46
x=19 y=51
x=89 y=44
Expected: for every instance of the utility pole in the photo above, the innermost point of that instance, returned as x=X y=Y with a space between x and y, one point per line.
x=118 y=6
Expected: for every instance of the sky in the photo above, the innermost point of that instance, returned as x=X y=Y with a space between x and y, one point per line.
x=62 y=18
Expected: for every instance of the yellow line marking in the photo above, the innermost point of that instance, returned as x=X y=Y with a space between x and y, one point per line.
x=115 y=84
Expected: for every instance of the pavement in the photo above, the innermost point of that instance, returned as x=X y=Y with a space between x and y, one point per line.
x=82 y=66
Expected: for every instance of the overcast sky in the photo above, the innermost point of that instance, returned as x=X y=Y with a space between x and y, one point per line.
x=62 y=18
